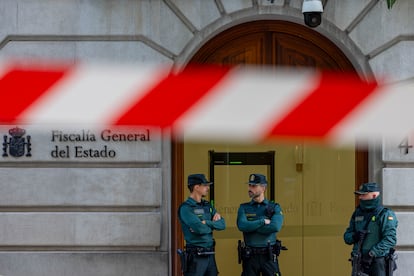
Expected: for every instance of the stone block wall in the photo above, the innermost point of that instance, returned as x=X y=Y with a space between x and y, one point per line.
x=397 y=179
x=69 y=216
x=64 y=213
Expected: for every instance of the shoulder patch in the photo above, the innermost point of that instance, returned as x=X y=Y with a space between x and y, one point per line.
x=390 y=218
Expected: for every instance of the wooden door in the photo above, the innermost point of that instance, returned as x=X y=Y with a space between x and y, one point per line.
x=274 y=43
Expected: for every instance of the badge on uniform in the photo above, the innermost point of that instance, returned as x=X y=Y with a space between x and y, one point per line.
x=199 y=211
x=359 y=218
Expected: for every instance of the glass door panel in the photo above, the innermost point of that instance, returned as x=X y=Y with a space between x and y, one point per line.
x=314 y=186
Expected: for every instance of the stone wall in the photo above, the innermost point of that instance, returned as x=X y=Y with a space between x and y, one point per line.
x=111 y=217
x=397 y=179
x=82 y=202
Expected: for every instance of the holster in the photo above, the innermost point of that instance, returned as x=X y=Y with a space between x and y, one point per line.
x=183 y=258
x=278 y=247
x=391 y=260
x=240 y=246
x=244 y=252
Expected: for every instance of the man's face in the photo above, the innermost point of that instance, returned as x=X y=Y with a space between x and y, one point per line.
x=368 y=196
x=202 y=189
x=256 y=190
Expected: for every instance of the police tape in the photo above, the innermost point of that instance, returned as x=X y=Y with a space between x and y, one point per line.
x=248 y=104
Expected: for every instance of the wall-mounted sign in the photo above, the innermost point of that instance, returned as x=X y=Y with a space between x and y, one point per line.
x=31 y=143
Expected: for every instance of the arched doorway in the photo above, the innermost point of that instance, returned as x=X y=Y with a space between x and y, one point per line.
x=270 y=43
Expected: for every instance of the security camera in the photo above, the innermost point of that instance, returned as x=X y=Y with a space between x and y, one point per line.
x=312 y=12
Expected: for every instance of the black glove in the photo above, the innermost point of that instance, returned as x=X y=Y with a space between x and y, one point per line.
x=367 y=260
x=359 y=235
x=270 y=211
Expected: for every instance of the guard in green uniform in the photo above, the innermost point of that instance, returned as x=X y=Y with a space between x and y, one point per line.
x=376 y=227
x=259 y=220
x=198 y=220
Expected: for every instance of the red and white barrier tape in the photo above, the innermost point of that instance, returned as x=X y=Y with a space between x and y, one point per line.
x=239 y=104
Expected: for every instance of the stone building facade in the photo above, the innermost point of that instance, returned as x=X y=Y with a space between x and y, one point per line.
x=62 y=214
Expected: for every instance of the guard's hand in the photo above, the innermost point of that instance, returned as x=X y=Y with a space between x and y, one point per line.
x=267 y=221
x=216 y=217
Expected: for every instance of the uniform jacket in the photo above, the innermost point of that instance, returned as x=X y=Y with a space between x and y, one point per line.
x=191 y=213
x=382 y=230
x=251 y=221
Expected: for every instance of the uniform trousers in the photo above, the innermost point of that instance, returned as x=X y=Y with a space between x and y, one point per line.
x=378 y=267
x=201 y=266
x=260 y=263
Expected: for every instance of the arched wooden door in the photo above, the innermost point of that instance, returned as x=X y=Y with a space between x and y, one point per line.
x=270 y=43
x=275 y=43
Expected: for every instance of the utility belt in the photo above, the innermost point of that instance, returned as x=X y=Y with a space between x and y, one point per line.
x=260 y=250
x=200 y=251
x=272 y=250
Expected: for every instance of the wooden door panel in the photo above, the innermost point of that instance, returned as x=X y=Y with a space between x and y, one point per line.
x=294 y=51
x=243 y=50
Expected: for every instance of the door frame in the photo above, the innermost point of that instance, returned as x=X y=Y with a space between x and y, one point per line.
x=177 y=145
x=243 y=159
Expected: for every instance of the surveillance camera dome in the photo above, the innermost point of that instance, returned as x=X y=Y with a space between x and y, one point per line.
x=312 y=19
x=312 y=12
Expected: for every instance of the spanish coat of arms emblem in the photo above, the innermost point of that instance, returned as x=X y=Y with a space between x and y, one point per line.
x=16 y=145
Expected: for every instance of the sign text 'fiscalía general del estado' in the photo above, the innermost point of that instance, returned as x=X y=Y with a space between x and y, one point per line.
x=32 y=143
x=87 y=144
